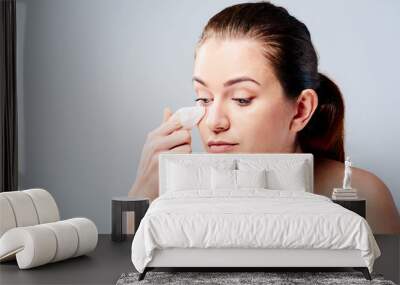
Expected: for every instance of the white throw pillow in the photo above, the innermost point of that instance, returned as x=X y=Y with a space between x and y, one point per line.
x=282 y=174
x=185 y=174
x=251 y=178
x=293 y=178
x=187 y=177
x=229 y=179
x=223 y=179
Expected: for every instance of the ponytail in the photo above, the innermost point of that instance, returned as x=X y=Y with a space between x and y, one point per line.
x=323 y=135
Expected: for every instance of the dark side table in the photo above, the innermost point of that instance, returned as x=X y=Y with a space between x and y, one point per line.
x=358 y=206
x=120 y=205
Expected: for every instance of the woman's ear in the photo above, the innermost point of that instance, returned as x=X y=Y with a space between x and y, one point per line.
x=305 y=106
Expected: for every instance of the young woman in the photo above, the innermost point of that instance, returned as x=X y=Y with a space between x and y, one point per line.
x=256 y=73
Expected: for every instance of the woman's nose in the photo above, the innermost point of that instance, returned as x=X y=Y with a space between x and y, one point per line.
x=216 y=117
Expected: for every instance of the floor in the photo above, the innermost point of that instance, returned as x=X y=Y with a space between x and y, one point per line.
x=111 y=259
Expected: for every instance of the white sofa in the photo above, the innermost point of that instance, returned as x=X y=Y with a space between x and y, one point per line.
x=31 y=231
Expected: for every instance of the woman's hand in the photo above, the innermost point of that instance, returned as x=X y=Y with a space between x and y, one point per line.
x=168 y=137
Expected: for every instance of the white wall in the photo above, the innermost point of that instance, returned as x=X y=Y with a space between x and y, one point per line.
x=95 y=75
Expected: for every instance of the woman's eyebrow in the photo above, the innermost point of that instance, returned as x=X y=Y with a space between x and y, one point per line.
x=229 y=82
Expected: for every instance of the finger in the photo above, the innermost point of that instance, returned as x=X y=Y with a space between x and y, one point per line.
x=175 y=139
x=167 y=114
x=185 y=148
x=166 y=128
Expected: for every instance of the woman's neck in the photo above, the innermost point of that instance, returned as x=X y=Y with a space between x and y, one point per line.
x=297 y=148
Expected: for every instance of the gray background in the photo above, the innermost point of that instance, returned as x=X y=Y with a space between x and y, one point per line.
x=94 y=77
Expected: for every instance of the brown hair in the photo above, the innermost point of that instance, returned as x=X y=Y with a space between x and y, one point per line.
x=288 y=47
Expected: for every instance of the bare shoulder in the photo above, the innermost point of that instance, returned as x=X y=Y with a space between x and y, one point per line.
x=365 y=180
x=380 y=204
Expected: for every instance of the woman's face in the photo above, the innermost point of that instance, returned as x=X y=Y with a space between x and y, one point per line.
x=246 y=108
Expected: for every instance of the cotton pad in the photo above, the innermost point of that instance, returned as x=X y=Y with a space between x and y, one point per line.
x=189 y=116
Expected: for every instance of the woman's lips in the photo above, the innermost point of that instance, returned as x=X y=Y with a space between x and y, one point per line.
x=216 y=147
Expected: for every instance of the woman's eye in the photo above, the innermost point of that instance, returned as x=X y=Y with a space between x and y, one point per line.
x=242 y=101
x=203 y=101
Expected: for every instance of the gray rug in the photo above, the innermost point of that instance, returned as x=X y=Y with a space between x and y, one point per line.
x=228 y=278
